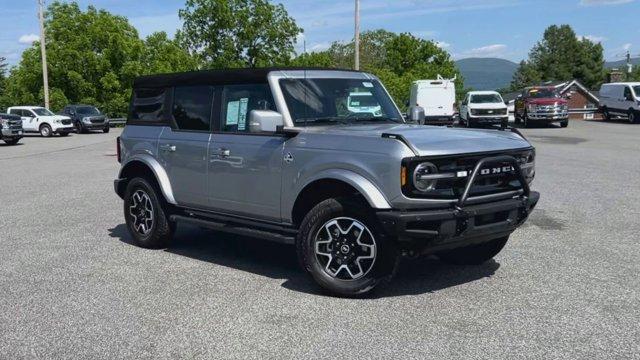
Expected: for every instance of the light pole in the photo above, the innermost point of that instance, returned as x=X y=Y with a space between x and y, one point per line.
x=43 y=51
x=357 y=37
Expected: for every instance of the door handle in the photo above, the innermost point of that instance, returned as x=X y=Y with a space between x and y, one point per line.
x=223 y=153
x=168 y=148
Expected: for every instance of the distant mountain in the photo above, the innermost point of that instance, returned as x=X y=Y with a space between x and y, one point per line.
x=486 y=73
x=621 y=64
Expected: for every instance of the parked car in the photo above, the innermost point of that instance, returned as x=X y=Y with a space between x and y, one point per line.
x=621 y=99
x=541 y=105
x=10 y=129
x=483 y=108
x=39 y=119
x=363 y=103
x=275 y=158
x=436 y=97
x=86 y=118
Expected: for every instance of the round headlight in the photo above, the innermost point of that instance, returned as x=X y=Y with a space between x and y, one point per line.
x=425 y=168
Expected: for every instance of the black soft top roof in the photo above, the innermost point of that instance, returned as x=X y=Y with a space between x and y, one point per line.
x=213 y=77
x=9 y=116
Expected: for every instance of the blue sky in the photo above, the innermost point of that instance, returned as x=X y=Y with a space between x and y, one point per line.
x=466 y=28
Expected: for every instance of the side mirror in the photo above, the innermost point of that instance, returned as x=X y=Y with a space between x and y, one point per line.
x=417 y=114
x=265 y=121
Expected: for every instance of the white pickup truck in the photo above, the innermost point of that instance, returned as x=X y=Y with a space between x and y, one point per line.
x=39 y=119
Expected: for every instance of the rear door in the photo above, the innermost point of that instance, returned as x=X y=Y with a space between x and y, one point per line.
x=245 y=168
x=183 y=146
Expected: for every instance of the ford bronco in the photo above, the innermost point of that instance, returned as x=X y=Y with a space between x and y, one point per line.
x=280 y=154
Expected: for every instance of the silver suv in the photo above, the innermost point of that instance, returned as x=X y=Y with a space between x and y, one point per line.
x=286 y=155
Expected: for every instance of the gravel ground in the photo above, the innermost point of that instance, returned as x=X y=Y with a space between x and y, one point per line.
x=73 y=286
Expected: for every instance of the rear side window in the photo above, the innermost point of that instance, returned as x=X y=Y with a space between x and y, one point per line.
x=239 y=100
x=148 y=105
x=192 y=107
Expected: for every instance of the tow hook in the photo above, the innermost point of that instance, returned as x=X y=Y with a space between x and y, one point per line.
x=462 y=218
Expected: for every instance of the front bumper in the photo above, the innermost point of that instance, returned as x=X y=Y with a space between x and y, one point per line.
x=11 y=133
x=64 y=129
x=95 y=126
x=438 y=120
x=437 y=230
x=555 y=116
x=485 y=120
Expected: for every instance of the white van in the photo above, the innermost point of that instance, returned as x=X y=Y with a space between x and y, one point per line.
x=364 y=102
x=621 y=99
x=436 y=97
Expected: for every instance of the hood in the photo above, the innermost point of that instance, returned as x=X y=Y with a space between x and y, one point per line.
x=435 y=140
x=547 y=101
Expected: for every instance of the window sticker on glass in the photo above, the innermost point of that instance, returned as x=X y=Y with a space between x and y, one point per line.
x=232 y=112
x=367 y=84
x=242 y=114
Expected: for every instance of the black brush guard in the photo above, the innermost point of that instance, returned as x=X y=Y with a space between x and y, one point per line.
x=462 y=224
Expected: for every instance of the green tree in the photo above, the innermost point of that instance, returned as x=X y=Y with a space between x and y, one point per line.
x=561 y=56
x=93 y=57
x=238 y=33
x=3 y=77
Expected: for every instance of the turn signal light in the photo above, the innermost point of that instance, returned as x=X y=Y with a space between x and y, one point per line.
x=403 y=176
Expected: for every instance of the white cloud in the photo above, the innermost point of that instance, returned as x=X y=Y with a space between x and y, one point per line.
x=487 y=51
x=28 y=38
x=626 y=46
x=592 y=38
x=604 y=2
x=320 y=46
x=443 y=44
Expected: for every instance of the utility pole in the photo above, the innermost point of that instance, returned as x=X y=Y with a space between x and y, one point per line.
x=629 y=65
x=43 y=51
x=357 y=37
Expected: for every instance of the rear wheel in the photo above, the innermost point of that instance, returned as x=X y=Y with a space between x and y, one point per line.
x=474 y=254
x=633 y=117
x=341 y=246
x=145 y=215
x=45 y=130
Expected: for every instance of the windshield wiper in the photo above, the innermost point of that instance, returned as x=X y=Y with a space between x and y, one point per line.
x=327 y=119
x=375 y=119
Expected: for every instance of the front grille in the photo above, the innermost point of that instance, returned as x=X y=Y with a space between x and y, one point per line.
x=489 y=111
x=485 y=184
x=550 y=108
x=15 y=125
x=66 y=122
x=97 y=121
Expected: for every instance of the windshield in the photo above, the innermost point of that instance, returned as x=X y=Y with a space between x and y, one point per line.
x=87 y=110
x=543 y=93
x=42 y=112
x=486 y=99
x=342 y=101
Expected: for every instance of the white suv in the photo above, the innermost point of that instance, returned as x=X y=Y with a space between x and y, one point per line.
x=483 y=108
x=42 y=120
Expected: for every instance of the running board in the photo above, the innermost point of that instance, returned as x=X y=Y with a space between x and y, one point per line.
x=238 y=229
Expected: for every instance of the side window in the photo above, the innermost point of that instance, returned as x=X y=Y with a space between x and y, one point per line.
x=15 y=112
x=627 y=93
x=239 y=100
x=192 y=107
x=147 y=105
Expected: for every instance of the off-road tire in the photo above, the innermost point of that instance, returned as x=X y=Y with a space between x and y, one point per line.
x=79 y=128
x=161 y=230
x=386 y=254
x=45 y=130
x=474 y=254
x=11 y=141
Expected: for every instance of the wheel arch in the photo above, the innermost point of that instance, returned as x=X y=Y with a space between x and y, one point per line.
x=335 y=183
x=149 y=167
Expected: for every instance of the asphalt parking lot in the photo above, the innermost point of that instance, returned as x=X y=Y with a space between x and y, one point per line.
x=73 y=286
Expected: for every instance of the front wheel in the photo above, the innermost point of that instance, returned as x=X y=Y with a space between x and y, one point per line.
x=342 y=247
x=474 y=254
x=105 y=130
x=45 y=130
x=632 y=116
x=564 y=123
x=144 y=215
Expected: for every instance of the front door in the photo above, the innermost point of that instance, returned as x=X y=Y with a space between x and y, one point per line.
x=29 y=120
x=245 y=168
x=183 y=147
